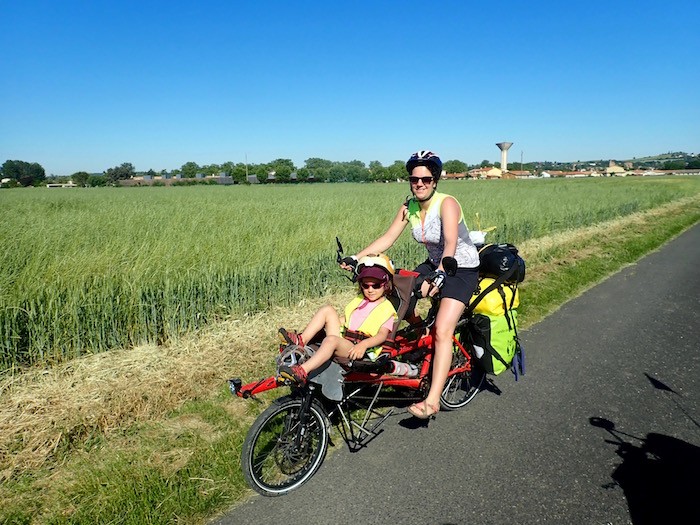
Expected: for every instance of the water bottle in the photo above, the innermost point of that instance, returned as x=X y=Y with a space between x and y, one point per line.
x=404 y=369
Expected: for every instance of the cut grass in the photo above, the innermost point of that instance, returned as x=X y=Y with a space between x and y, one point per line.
x=159 y=440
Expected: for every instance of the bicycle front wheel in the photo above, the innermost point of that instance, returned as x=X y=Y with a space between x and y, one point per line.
x=280 y=453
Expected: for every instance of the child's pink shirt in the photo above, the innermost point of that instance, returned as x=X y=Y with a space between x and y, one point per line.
x=358 y=316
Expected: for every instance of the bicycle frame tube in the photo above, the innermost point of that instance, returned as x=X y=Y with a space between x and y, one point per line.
x=251 y=389
x=404 y=347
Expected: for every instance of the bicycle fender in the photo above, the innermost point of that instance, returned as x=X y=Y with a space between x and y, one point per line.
x=330 y=378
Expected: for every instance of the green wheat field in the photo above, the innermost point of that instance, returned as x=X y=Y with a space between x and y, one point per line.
x=87 y=270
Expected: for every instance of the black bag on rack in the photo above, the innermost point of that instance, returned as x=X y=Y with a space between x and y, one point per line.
x=499 y=259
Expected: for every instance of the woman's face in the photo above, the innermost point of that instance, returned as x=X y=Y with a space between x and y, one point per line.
x=421 y=187
x=372 y=288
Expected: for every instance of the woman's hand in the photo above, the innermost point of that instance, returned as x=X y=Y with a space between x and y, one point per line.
x=349 y=263
x=432 y=284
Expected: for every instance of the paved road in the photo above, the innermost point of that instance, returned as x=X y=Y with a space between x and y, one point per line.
x=542 y=450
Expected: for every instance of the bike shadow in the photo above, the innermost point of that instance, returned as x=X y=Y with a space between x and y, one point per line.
x=659 y=476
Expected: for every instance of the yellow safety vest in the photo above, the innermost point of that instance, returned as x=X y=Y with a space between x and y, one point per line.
x=370 y=326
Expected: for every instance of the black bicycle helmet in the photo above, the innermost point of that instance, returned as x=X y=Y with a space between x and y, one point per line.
x=428 y=159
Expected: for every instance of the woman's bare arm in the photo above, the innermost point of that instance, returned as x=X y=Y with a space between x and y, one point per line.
x=389 y=237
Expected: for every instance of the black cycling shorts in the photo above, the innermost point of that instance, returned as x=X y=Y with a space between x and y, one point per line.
x=460 y=286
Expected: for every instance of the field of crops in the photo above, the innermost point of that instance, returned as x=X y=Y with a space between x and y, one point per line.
x=87 y=270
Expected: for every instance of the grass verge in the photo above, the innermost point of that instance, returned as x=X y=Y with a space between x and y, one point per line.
x=151 y=435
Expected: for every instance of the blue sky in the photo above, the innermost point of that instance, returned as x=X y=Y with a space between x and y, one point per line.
x=86 y=86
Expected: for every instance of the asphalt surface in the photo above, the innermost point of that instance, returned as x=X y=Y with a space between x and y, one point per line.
x=604 y=428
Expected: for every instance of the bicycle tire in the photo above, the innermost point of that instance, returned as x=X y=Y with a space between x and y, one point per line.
x=271 y=462
x=460 y=389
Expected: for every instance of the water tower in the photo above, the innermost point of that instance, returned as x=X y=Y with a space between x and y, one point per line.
x=503 y=146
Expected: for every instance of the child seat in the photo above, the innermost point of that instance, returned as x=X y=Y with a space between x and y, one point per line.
x=400 y=297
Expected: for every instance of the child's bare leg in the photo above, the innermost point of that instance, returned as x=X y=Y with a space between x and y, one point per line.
x=325 y=352
x=325 y=318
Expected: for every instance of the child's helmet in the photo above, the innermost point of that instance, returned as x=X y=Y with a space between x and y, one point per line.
x=377 y=266
x=428 y=159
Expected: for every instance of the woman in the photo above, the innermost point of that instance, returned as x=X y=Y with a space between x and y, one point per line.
x=436 y=221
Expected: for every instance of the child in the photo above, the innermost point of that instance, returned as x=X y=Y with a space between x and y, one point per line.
x=369 y=313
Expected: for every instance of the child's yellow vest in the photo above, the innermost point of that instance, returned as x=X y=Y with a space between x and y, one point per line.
x=374 y=321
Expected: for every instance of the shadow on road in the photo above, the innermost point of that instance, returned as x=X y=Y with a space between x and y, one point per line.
x=659 y=474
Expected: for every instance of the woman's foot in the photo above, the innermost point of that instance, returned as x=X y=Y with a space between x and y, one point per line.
x=424 y=410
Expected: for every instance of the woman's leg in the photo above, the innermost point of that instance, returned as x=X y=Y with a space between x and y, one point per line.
x=325 y=318
x=448 y=315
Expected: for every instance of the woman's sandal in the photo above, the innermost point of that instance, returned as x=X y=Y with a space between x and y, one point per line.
x=424 y=410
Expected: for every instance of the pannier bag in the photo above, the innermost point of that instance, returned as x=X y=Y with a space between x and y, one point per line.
x=496 y=260
x=497 y=336
x=493 y=325
x=496 y=302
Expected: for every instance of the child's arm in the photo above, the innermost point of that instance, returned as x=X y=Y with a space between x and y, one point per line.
x=358 y=351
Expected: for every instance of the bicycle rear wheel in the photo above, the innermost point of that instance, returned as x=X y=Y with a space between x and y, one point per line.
x=460 y=389
x=280 y=453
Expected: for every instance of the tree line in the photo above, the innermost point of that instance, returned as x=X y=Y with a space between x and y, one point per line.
x=21 y=173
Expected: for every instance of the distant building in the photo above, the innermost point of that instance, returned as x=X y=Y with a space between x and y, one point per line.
x=486 y=173
x=69 y=184
x=615 y=170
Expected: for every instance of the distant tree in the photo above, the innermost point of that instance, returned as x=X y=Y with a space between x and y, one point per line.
x=485 y=163
x=693 y=165
x=211 y=170
x=355 y=171
x=95 y=181
x=283 y=169
x=25 y=173
x=80 y=178
x=455 y=166
x=318 y=168
x=151 y=173
x=189 y=170
x=337 y=173
x=377 y=172
x=397 y=171
x=235 y=171
x=303 y=174
x=674 y=165
x=122 y=172
x=259 y=170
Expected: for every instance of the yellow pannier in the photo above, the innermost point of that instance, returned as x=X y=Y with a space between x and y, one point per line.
x=493 y=302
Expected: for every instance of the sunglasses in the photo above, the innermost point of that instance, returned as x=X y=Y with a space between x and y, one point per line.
x=374 y=286
x=424 y=180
